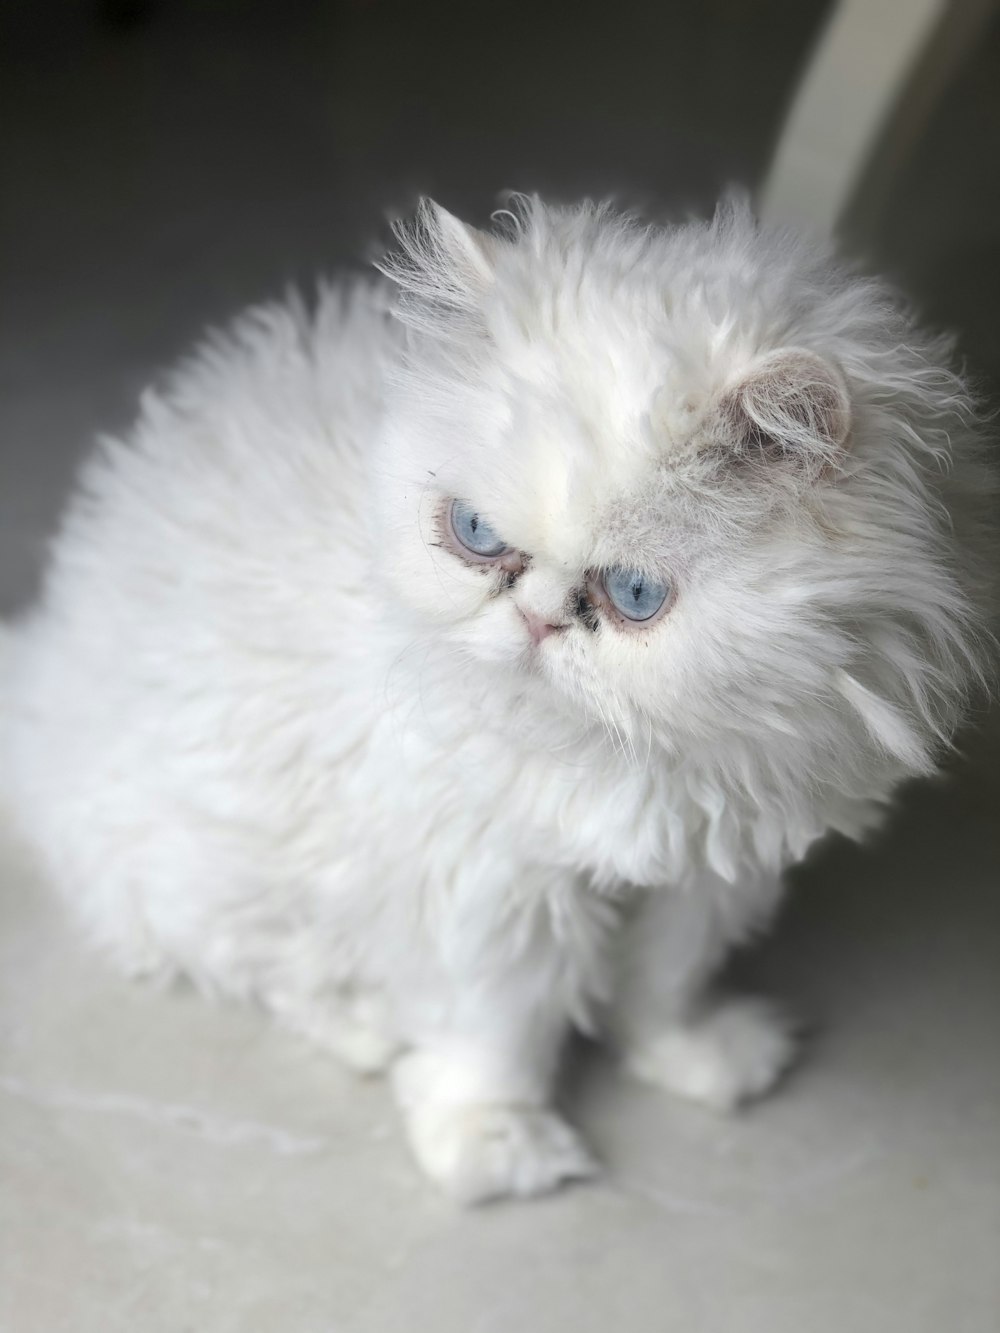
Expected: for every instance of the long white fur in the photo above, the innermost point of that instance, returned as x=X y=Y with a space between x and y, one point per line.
x=267 y=731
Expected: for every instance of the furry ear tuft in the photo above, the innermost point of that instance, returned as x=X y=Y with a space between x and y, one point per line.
x=791 y=406
x=472 y=251
x=443 y=266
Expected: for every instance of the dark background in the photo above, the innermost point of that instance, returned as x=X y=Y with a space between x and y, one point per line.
x=164 y=163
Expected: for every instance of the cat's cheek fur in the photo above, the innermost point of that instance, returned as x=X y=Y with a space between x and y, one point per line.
x=422 y=573
x=495 y=633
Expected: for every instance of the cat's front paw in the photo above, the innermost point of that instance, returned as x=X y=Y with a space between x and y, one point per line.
x=476 y=1152
x=734 y=1052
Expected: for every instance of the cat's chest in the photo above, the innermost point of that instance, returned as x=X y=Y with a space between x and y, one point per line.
x=581 y=808
x=507 y=781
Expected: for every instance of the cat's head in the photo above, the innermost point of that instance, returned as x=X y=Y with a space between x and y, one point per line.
x=685 y=478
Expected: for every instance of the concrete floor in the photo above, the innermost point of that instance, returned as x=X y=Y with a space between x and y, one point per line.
x=168 y=1165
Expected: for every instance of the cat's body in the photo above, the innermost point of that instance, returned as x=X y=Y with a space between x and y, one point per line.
x=276 y=727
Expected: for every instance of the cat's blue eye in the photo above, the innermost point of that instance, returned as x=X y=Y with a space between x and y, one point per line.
x=473 y=532
x=637 y=596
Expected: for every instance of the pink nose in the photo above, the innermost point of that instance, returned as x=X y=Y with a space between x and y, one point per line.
x=538 y=627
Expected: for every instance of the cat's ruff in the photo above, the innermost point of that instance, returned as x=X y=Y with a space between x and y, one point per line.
x=436 y=784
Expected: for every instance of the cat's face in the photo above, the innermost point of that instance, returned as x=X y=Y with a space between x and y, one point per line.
x=605 y=471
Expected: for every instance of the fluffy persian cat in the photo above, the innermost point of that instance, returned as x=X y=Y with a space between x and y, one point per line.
x=463 y=660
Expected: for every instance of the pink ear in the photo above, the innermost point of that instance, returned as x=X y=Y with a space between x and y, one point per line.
x=791 y=406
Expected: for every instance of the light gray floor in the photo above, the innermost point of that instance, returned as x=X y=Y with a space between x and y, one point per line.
x=167 y=1165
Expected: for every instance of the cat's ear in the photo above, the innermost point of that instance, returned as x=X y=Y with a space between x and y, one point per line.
x=471 y=252
x=789 y=408
x=443 y=266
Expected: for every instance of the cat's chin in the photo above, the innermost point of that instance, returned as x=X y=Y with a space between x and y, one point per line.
x=500 y=636
x=515 y=651
x=535 y=671
x=557 y=688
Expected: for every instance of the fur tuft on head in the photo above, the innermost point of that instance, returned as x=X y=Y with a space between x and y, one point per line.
x=442 y=267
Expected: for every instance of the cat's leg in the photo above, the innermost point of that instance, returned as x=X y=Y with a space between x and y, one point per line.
x=475 y=1088
x=669 y=1028
x=477 y=1115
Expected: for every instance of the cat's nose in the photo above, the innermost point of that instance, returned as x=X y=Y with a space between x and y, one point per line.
x=538 y=627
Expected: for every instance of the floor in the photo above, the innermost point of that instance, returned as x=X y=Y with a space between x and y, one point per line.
x=168 y=1165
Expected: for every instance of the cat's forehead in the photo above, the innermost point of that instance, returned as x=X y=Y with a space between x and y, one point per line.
x=608 y=350
x=574 y=478
x=595 y=427
x=628 y=361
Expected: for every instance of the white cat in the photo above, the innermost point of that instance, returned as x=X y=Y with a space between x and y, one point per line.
x=460 y=662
